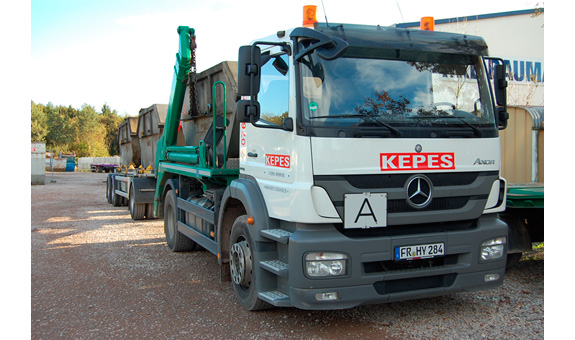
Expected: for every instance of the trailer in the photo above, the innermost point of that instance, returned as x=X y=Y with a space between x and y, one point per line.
x=522 y=146
x=360 y=165
x=129 y=154
x=130 y=150
x=133 y=184
x=150 y=125
x=103 y=167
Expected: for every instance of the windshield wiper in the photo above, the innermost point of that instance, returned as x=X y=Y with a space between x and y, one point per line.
x=475 y=129
x=368 y=117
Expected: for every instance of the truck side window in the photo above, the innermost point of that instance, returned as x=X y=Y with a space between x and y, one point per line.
x=274 y=91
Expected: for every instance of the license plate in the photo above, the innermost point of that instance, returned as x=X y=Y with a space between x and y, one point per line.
x=366 y=210
x=421 y=251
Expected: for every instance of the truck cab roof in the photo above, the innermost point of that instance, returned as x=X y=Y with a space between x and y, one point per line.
x=405 y=39
x=393 y=38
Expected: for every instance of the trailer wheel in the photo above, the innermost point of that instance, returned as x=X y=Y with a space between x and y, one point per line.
x=176 y=240
x=109 y=189
x=117 y=200
x=137 y=210
x=242 y=267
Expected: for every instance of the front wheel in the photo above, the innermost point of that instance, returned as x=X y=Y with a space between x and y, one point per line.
x=242 y=266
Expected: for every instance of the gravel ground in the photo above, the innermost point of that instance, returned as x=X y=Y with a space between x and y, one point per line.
x=97 y=274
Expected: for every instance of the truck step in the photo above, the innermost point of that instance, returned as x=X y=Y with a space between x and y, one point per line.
x=278 y=235
x=275 y=298
x=277 y=267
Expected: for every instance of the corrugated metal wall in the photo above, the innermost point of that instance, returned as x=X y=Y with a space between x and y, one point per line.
x=517 y=147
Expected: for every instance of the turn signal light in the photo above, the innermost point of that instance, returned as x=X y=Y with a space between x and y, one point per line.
x=309 y=17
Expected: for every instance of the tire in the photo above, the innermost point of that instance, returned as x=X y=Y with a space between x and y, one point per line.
x=137 y=210
x=176 y=241
x=243 y=268
x=116 y=199
x=512 y=260
x=150 y=211
x=109 y=189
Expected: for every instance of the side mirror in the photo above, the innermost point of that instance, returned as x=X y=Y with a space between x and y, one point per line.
x=501 y=116
x=288 y=124
x=500 y=84
x=249 y=67
x=248 y=111
x=281 y=66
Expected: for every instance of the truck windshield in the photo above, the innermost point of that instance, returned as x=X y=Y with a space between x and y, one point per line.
x=434 y=95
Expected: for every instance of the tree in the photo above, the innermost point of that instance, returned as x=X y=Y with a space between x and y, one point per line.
x=39 y=124
x=383 y=103
x=85 y=131
x=110 y=120
x=60 y=127
x=277 y=120
x=89 y=134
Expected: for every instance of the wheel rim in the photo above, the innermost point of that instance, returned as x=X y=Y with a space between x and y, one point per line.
x=241 y=263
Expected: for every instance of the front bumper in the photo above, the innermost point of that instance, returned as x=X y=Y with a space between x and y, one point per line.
x=374 y=277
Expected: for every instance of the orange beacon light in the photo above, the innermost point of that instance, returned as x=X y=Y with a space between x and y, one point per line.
x=309 y=17
x=427 y=24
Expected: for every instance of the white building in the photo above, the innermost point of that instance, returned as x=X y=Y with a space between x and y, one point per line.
x=516 y=37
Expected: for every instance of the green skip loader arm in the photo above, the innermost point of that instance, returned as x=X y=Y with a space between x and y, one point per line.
x=170 y=133
x=189 y=161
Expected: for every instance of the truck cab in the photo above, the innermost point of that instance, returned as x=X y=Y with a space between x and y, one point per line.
x=362 y=143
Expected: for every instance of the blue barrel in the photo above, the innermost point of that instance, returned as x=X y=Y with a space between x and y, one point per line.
x=70 y=166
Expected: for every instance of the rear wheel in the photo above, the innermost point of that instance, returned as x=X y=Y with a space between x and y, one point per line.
x=242 y=266
x=176 y=240
x=109 y=188
x=150 y=211
x=137 y=210
x=117 y=200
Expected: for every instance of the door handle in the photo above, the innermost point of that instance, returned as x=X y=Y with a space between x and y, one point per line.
x=252 y=154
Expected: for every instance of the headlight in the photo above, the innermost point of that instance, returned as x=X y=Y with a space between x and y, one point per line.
x=493 y=249
x=325 y=264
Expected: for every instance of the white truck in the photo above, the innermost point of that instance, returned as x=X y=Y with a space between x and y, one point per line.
x=366 y=167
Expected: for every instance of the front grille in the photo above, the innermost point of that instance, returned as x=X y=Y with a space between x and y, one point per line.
x=390 y=266
x=398 y=180
x=442 y=203
x=418 y=283
x=409 y=229
x=462 y=196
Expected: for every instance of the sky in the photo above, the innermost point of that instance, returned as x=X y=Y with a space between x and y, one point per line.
x=122 y=52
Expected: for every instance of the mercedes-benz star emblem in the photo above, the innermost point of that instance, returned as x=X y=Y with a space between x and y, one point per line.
x=418 y=148
x=419 y=191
